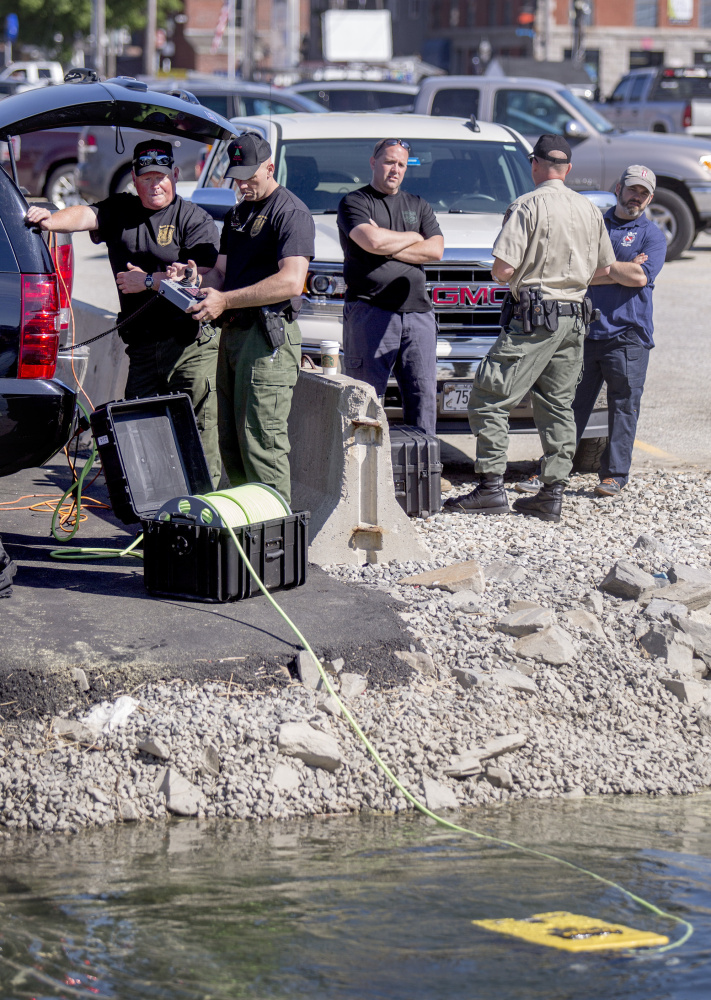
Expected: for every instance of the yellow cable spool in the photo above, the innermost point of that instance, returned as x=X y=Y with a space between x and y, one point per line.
x=255 y=501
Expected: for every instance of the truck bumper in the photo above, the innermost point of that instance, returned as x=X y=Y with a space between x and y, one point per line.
x=36 y=420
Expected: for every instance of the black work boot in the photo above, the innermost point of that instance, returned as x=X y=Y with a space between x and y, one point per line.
x=488 y=498
x=546 y=504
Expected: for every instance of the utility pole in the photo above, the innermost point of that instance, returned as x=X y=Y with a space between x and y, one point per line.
x=149 y=45
x=247 y=39
x=98 y=30
x=293 y=34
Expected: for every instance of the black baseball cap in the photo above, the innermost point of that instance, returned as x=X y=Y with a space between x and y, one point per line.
x=552 y=143
x=246 y=154
x=153 y=154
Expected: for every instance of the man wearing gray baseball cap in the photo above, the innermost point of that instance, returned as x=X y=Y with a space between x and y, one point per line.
x=617 y=348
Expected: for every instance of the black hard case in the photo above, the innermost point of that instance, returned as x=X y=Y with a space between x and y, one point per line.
x=151 y=452
x=417 y=470
x=195 y=562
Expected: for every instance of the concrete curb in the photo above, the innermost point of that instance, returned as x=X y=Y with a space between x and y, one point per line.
x=341 y=471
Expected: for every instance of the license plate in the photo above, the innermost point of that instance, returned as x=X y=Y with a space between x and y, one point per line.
x=455 y=397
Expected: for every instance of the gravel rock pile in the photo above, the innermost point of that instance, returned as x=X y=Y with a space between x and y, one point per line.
x=526 y=680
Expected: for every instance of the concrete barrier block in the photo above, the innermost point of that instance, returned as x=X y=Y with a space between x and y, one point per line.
x=342 y=472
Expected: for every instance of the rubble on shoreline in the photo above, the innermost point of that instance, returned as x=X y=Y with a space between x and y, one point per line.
x=570 y=659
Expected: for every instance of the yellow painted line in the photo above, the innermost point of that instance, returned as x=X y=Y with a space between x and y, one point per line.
x=652 y=450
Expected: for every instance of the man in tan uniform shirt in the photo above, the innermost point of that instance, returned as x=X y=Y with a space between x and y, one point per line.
x=552 y=244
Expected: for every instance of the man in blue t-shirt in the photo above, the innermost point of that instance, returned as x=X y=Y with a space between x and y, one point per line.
x=388 y=322
x=617 y=348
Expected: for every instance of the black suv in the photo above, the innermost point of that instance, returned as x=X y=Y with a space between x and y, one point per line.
x=37 y=410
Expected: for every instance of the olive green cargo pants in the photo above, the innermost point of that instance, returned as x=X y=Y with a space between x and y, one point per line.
x=254 y=389
x=547 y=364
x=168 y=366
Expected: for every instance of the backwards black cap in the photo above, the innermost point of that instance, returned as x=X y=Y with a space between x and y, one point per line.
x=246 y=154
x=548 y=144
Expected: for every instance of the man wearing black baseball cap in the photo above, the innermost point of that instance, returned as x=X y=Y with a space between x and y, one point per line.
x=552 y=244
x=145 y=234
x=255 y=289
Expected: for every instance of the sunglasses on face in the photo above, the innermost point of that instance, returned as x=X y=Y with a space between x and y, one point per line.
x=391 y=142
x=153 y=159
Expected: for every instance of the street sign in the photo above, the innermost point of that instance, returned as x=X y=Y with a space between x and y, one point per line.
x=12 y=27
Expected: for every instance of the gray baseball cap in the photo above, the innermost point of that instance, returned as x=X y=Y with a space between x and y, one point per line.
x=637 y=174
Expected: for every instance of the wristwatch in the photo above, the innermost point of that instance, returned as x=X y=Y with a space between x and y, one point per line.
x=149 y=281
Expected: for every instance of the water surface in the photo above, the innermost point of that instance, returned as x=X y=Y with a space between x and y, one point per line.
x=348 y=909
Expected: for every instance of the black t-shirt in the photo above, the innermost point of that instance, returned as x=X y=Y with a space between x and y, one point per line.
x=151 y=240
x=389 y=284
x=257 y=235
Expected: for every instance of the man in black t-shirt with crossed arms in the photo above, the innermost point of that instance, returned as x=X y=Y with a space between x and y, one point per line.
x=388 y=320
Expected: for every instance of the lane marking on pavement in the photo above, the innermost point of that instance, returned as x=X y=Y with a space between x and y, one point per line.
x=652 y=450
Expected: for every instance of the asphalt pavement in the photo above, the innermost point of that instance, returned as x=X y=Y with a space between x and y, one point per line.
x=97 y=615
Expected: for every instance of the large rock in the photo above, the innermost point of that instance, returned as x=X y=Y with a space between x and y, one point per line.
x=420 y=661
x=459 y=576
x=154 y=748
x=317 y=749
x=181 y=797
x=627 y=580
x=469 y=763
x=308 y=671
x=352 y=685
x=691 y=595
x=681 y=573
x=438 y=796
x=499 y=777
x=285 y=778
x=698 y=633
x=506 y=678
x=499 y=745
x=585 y=621
x=526 y=621
x=675 y=648
x=690 y=692
x=75 y=732
x=463 y=601
x=593 y=602
x=703 y=718
x=550 y=645
x=651 y=544
x=465 y=765
x=504 y=572
x=659 y=609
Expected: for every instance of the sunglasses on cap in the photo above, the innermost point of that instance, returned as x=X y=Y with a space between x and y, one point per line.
x=390 y=142
x=548 y=159
x=153 y=159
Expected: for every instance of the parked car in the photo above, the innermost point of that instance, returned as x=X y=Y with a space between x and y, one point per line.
x=36 y=408
x=104 y=157
x=358 y=95
x=468 y=173
x=46 y=164
x=682 y=202
x=19 y=76
x=662 y=99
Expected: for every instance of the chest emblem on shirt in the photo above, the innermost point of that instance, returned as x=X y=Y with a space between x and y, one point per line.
x=410 y=218
x=165 y=235
x=629 y=239
x=258 y=225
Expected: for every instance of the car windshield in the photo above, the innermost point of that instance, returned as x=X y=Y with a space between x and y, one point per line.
x=452 y=175
x=591 y=116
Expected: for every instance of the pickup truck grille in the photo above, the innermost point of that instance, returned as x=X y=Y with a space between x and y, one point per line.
x=467 y=300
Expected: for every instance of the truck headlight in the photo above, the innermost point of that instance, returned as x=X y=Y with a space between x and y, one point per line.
x=323 y=284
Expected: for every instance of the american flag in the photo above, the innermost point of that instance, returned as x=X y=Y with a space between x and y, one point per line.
x=220 y=27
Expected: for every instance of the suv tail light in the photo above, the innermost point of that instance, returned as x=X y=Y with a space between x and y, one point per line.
x=39 y=336
x=686 y=117
x=63 y=257
x=85 y=145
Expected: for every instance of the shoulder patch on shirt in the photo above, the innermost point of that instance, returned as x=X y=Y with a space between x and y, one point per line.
x=165 y=235
x=629 y=239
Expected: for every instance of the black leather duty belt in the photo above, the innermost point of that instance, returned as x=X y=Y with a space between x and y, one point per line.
x=562 y=308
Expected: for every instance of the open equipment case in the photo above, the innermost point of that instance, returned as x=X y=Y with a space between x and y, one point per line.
x=152 y=457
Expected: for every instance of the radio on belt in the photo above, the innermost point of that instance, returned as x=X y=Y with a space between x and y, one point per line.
x=181 y=293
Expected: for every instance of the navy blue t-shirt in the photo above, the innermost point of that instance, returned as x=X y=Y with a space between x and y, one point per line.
x=626 y=312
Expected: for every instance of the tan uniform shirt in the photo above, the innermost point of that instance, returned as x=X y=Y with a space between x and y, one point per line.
x=555 y=240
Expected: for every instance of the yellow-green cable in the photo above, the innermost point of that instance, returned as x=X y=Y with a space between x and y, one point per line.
x=689 y=927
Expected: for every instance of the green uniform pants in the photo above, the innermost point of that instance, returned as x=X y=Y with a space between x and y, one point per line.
x=547 y=364
x=168 y=366
x=254 y=389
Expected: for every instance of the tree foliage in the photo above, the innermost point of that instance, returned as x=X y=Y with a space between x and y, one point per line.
x=41 y=23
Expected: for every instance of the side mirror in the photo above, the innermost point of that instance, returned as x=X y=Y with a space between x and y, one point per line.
x=216 y=201
x=574 y=130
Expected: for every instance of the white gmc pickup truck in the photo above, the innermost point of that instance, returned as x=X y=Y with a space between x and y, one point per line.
x=468 y=172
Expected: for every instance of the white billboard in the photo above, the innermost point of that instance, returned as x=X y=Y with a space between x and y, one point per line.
x=357 y=35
